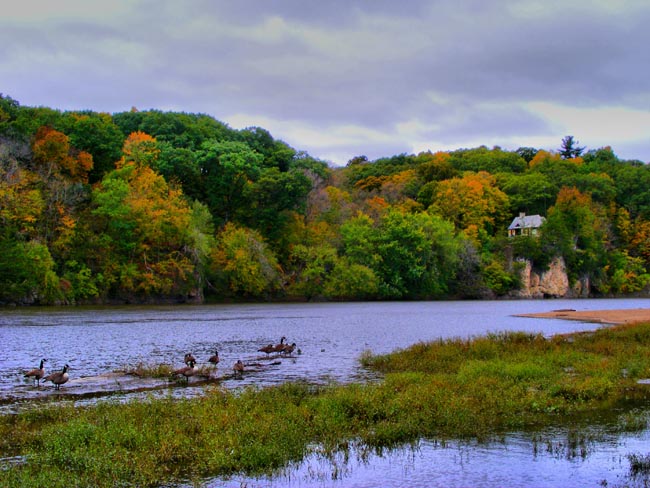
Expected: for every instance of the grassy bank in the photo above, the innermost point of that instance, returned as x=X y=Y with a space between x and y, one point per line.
x=446 y=389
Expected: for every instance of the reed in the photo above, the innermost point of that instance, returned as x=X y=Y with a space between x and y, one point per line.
x=445 y=389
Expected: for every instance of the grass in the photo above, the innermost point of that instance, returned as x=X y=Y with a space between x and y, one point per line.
x=445 y=389
x=163 y=371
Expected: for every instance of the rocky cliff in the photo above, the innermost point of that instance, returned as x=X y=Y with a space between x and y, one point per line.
x=552 y=283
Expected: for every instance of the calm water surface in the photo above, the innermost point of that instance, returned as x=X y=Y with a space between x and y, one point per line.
x=331 y=337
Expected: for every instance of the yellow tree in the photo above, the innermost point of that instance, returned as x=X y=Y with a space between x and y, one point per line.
x=21 y=203
x=148 y=232
x=244 y=263
x=640 y=242
x=473 y=203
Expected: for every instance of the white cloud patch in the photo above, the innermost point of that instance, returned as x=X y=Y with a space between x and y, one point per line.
x=592 y=125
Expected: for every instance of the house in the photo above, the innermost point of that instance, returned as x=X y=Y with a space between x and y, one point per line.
x=525 y=225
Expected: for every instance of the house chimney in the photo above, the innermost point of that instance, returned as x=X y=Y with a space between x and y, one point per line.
x=522 y=214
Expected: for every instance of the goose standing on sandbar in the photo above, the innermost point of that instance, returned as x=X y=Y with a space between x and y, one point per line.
x=37 y=374
x=189 y=358
x=58 y=378
x=288 y=349
x=267 y=349
x=214 y=359
x=187 y=371
x=238 y=368
x=280 y=347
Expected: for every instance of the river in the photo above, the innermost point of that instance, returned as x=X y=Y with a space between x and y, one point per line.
x=330 y=337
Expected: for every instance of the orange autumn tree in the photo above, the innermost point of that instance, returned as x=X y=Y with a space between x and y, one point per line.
x=140 y=148
x=54 y=156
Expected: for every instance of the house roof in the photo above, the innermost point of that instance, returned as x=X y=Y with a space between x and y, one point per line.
x=527 y=222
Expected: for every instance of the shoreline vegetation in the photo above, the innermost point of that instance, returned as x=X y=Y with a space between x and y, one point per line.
x=474 y=388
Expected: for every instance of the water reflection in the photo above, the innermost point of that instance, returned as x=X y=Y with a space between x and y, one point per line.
x=548 y=459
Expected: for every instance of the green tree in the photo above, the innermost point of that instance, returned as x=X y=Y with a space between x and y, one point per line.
x=527 y=153
x=96 y=134
x=244 y=264
x=180 y=166
x=493 y=160
x=311 y=267
x=348 y=280
x=576 y=230
x=28 y=274
x=569 y=148
x=270 y=198
x=532 y=193
x=412 y=255
x=227 y=169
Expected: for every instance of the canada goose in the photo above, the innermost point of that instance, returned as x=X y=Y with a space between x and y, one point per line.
x=187 y=371
x=238 y=368
x=267 y=349
x=214 y=359
x=58 y=378
x=280 y=347
x=189 y=358
x=288 y=349
x=37 y=374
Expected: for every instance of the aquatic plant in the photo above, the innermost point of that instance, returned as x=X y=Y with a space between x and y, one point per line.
x=639 y=464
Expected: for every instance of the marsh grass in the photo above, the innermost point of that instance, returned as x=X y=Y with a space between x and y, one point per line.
x=445 y=389
x=164 y=371
x=147 y=370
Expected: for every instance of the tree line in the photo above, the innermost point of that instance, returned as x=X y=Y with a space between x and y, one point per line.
x=152 y=206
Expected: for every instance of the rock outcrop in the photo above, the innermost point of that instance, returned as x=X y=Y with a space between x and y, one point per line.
x=552 y=283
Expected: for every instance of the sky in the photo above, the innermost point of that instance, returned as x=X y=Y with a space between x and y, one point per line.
x=345 y=78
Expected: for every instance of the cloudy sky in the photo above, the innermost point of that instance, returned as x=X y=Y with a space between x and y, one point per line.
x=343 y=78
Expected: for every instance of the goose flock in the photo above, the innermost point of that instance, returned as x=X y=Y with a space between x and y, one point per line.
x=58 y=378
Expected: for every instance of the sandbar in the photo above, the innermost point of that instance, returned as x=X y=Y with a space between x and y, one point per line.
x=621 y=316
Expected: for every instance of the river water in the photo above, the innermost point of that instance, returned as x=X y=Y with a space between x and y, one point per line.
x=330 y=337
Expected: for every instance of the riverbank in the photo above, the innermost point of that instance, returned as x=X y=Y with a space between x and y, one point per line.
x=614 y=317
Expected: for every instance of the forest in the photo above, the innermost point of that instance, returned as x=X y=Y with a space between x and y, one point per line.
x=173 y=207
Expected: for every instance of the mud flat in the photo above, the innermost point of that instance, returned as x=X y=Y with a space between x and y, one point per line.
x=622 y=316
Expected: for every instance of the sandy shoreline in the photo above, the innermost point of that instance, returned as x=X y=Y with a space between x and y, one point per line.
x=623 y=316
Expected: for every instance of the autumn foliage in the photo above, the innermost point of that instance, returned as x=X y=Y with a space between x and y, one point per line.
x=151 y=206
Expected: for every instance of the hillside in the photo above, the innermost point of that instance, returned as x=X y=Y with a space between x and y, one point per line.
x=151 y=206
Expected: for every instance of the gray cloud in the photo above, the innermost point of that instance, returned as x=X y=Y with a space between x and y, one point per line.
x=368 y=76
